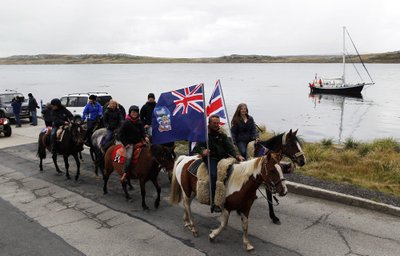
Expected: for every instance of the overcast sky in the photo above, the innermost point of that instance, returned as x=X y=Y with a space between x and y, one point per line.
x=185 y=28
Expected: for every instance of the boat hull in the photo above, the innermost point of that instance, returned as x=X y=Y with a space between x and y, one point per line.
x=345 y=90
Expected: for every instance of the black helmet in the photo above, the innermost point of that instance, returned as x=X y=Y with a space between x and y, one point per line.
x=133 y=108
x=55 y=102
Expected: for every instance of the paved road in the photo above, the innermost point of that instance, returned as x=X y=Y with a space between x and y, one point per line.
x=94 y=224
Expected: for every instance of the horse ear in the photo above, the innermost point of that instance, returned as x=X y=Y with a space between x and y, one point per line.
x=290 y=132
x=295 y=132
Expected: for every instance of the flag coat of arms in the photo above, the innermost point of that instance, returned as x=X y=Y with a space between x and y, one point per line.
x=216 y=104
x=179 y=115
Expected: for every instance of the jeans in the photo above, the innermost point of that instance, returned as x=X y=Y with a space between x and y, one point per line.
x=53 y=139
x=17 y=119
x=213 y=175
x=34 y=117
x=242 y=146
x=128 y=157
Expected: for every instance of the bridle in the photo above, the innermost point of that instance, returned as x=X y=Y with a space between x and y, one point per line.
x=284 y=150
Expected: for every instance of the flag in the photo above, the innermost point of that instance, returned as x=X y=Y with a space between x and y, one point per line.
x=179 y=115
x=216 y=105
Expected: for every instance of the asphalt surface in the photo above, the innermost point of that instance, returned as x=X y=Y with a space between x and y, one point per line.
x=97 y=224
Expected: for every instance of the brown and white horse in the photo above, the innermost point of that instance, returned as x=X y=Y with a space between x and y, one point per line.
x=241 y=188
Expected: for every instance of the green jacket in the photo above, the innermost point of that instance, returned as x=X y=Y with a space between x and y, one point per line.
x=219 y=144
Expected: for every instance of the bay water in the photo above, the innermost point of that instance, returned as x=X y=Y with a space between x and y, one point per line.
x=277 y=94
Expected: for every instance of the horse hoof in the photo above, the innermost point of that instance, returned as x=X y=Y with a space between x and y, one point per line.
x=211 y=238
x=76 y=178
x=105 y=192
x=145 y=208
x=68 y=177
x=195 y=233
x=249 y=248
x=156 y=204
x=276 y=221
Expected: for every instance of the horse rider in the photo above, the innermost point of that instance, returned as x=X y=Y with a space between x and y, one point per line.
x=60 y=116
x=131 y=132
x=243 y=128
x=146 y=113
x=92 y=112
x=112 y=120
x=220 y=147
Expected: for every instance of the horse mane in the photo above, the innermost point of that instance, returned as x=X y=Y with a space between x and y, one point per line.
x=272 y=141
x=242 y=172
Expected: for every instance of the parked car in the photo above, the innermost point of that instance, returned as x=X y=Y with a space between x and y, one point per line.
x=76 y=102
x=5 y=127
x=6 y=109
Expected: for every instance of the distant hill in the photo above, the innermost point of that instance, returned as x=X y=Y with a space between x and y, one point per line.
x=389 y=57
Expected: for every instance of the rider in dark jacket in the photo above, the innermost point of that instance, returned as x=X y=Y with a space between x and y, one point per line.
x=146 y=112
x=60 y=116
x=112 y=120
x=219 y=147
x=131 y=132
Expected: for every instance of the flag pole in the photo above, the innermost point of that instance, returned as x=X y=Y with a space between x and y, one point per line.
x=226 y=111
x=208 y=150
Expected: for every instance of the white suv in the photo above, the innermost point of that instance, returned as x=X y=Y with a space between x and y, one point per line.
x=76 y=102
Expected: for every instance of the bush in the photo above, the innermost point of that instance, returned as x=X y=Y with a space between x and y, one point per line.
x=350 y=143
x=327 y=142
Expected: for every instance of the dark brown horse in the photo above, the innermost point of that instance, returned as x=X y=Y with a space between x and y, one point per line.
x=71 y=144
x=151 y=160
x=241 y=188
x=289 y=145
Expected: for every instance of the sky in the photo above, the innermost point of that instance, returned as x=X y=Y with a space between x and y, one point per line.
x=206 y=28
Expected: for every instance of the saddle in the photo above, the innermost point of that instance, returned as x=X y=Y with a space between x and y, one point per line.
x=119 y=153
x=203 y=185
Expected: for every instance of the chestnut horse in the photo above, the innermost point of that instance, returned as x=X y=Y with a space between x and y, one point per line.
x=151 y=160
x=241 y=188
x=71 y=144
x=288 y=145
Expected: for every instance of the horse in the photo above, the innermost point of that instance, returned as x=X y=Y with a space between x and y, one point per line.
x=96 y=149
x=70 y=144
x=286 y=143
x=241 y=188
x=151 y=160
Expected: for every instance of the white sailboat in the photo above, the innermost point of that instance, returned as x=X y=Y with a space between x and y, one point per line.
x=340 y=85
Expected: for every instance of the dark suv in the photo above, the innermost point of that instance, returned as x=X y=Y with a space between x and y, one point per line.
x=6 y=109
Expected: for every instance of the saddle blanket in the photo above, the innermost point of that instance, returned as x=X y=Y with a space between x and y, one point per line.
x=119 y=153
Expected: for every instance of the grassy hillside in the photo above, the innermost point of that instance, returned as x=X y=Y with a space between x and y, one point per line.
x=389 y=57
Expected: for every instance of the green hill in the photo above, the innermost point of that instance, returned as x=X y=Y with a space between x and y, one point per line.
x=389 y=57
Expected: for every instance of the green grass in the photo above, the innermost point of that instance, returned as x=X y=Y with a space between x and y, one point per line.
x=374 y=165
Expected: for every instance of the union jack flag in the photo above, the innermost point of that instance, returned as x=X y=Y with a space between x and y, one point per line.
x=179 y=115
x=189 y=97
x=216 y=105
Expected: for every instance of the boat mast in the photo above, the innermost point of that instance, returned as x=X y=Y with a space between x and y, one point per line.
x=344 y=56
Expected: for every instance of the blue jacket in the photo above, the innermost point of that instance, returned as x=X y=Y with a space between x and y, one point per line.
x=16 y=105
x=91 y=112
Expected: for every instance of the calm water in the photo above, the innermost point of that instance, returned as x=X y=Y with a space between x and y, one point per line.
x=277 y=94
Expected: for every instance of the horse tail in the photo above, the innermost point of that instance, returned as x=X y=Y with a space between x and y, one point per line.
x=175 y=195
x=41 y=153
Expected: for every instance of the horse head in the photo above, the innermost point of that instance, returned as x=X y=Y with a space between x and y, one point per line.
x=165 y=157
x=291 y=147
x=272 y=174
x=77 y=132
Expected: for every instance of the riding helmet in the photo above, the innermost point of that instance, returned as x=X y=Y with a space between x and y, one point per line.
x=134 y=108
x=55 y=102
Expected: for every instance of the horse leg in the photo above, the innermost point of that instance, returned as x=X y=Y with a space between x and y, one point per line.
x=187 y=216
x=78 y=165
x=224 y=221
x=66 y=166
x=158 y=188
x=129 y=183
x=245 y=225
x=143 y=193
x=124 y=183
x=54 y=157
x=272 y=215
x=106 y=176
x=80 y=155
